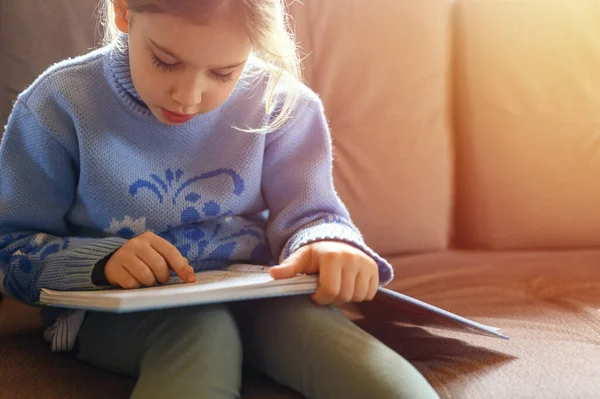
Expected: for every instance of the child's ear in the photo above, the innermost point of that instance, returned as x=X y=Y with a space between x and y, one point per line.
x=121 y=15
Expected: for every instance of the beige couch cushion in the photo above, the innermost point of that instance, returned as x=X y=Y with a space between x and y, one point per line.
x=528 y=131
x=382 y=71
x=549 y=304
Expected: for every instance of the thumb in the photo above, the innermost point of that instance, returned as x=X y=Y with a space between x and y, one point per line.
x=294 y=264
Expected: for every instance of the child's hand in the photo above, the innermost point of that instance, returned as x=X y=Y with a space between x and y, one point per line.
x=146 y=260
x=347 y=274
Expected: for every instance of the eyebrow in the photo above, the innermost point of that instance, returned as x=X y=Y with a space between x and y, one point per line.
x=229 y=66
x=172 y=55
x=164 y=50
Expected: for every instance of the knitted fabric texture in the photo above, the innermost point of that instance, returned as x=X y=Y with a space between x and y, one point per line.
x=85 y=166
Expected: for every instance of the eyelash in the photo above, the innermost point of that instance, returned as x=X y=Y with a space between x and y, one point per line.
x=223 y=78
x=158 y=63
x=161 y=64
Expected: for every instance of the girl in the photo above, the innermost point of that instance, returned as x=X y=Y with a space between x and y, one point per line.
x=188 y=144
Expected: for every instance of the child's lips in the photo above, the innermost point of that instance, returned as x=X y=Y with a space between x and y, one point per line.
x=174 y=117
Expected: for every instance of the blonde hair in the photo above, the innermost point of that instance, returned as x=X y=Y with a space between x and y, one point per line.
x=268 y=27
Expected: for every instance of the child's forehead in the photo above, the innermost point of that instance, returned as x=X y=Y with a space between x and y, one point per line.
x=219 y=42
x=173 y=27
x=197 y=12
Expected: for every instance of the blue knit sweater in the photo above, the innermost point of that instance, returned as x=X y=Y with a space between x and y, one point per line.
x=85 y=166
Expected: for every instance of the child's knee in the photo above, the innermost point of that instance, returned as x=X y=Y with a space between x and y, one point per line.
x=209 y=326
x=196 y=350
x=218 y=316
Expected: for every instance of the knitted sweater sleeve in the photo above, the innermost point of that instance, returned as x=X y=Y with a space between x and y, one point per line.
x=37 y=187
x=298 y=188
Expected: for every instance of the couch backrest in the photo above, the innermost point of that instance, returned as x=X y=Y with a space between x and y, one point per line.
x=382 y=70
x=527 y=85
x=524 y=77
x=37 y=33
x=523 y=158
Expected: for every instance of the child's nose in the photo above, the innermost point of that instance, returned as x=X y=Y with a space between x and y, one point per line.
x=187 y=93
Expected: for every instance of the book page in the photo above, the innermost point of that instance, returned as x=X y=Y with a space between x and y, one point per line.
x=232 y=278
x=206 y=281
x=237 y=272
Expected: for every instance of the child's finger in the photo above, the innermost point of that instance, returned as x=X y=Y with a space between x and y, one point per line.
x=175 y=260
x=140 y=271
x=125 y=280
x=347 y=286
x=361 y=287
x=373 y=287
x=157 y=264
x=330 y=280
x=298 y=262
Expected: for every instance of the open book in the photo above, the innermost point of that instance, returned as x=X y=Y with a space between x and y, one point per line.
x=236 y=283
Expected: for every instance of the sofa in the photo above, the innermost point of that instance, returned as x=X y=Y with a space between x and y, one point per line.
x=467 y=148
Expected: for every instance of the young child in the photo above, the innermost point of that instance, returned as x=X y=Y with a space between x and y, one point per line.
x=187 y=144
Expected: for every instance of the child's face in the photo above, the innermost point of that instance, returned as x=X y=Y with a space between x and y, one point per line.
x=181 y=69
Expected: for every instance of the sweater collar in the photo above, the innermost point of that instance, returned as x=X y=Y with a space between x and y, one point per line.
x=121 y=67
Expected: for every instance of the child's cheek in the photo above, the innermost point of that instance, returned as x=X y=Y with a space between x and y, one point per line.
x=217 y=97
x=154 y=87
x=212 y=100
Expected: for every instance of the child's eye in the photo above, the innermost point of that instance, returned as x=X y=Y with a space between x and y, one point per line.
x=222 y=77
x=161 y=64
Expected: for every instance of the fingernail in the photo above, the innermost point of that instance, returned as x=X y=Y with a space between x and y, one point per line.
x=191 y=278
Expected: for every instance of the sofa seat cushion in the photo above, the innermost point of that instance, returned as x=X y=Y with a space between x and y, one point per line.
x=548 y=303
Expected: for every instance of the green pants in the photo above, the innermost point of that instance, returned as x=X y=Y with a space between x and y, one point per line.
x=196 y=352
